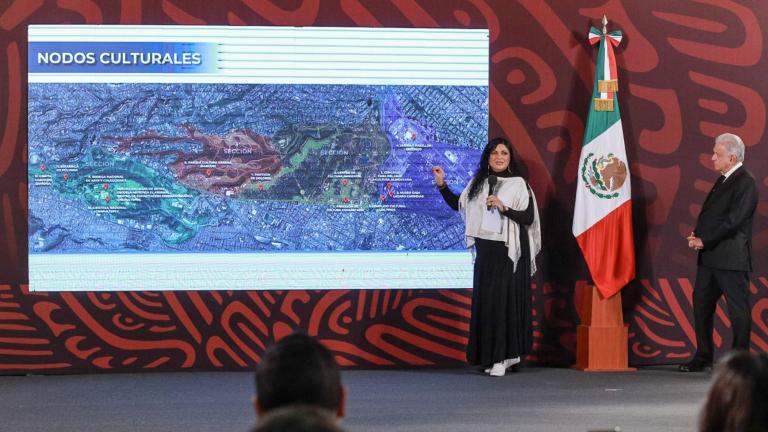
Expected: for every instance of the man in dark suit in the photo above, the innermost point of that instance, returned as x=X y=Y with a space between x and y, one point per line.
x=723 y=237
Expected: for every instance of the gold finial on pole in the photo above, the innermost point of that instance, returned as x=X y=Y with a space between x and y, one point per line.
x=605 y=24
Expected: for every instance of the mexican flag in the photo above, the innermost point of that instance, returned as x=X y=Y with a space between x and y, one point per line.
x=602 y=217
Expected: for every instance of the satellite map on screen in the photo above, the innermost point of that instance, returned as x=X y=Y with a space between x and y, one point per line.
x=241 y=168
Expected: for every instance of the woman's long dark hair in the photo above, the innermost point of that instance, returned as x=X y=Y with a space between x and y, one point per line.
x=483 y=168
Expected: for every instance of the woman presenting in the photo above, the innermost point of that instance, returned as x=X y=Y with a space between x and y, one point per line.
x=502 y=224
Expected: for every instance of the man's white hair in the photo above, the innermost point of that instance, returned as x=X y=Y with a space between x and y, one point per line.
x=733 y=145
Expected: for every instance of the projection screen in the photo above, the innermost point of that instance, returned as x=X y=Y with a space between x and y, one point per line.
x=248 y=158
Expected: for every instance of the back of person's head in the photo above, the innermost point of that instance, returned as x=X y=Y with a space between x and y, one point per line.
x=738 y=398
x=298 y=370
x=298 y=418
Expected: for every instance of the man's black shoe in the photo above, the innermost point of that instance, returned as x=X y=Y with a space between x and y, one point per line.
x=695 y=366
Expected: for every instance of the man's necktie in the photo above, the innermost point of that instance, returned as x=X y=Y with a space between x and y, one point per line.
x=719 y=181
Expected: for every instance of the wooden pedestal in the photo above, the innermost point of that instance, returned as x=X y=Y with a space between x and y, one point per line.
x=602 y=338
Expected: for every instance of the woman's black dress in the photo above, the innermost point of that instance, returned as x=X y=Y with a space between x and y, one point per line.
x=500 y=326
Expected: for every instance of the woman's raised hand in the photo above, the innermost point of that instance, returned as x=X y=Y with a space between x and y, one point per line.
x=439 y=174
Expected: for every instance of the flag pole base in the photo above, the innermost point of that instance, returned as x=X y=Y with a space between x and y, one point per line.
x=602 y=338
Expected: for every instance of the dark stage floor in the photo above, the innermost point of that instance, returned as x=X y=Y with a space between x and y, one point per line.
x=535 y=399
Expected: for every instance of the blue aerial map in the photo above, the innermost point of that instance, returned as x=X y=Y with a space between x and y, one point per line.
x=199 y=168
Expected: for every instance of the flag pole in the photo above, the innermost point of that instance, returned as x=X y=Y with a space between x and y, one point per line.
x=602 y=338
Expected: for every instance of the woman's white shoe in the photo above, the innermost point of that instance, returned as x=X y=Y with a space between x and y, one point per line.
x=498 y=369
x=508 y=363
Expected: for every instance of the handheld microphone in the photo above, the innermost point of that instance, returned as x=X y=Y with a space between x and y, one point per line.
x=491 y=185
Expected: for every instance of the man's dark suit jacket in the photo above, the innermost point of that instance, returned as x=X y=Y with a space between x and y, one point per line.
x=725 y=223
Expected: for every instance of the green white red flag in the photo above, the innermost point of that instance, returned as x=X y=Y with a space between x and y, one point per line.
x=602 y=217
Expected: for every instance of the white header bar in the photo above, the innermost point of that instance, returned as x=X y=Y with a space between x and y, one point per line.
x=258 y=55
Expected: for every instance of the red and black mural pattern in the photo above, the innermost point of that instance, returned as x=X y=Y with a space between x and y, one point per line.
x=688 y=71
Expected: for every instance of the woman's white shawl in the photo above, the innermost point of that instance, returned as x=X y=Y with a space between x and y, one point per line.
x=513 y=193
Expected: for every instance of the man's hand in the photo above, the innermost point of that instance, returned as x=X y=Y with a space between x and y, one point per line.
x=695 y=242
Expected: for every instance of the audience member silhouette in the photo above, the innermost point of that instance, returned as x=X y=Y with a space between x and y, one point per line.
x=298 y=370
x=298 y=418
x=738 y=398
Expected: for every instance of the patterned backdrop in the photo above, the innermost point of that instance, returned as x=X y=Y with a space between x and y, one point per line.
x=688 y=70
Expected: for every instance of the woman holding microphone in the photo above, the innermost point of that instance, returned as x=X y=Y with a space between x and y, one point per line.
x=502 y=227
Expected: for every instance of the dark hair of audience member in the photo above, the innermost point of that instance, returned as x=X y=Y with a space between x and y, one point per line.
x=298 y=370
x=298 y=418
x=738 y=398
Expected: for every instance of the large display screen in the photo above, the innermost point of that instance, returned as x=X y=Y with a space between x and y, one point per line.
x=227 y=158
